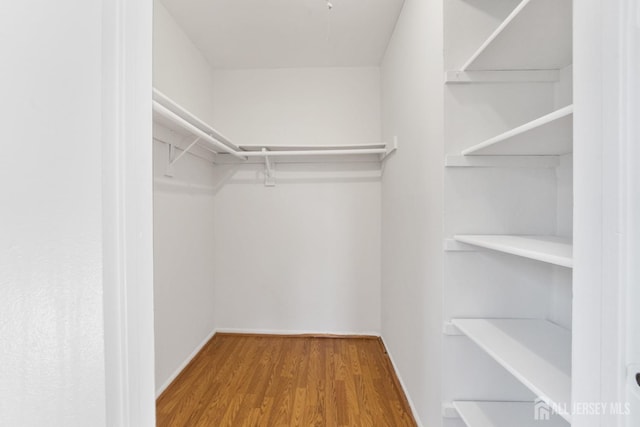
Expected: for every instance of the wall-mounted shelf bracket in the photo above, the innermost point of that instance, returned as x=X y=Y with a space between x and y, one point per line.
x=269 y=172
x=173 y=159
x=390 y=149
x=451 y=330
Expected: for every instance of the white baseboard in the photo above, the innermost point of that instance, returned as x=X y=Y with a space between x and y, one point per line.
x=404 y=388
x=184 y=364
x=293 y=332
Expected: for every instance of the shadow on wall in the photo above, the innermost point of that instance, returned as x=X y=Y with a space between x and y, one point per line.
x=301 y=173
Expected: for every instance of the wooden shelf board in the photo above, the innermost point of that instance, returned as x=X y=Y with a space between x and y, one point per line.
x=536 y=352
x=549 y=135
x=537 y=35
x=550 y=249
x=504 y=414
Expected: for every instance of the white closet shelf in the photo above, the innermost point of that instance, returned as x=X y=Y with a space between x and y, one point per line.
x=549 y=135
x=504 y=414
x=537 y=352
x=550 y=249
x=173 y=116
x=311 y=147
x=537 y=35
x=309 y=150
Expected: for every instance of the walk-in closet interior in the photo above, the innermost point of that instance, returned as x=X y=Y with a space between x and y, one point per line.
x=271 y=221
x=320 y=213
x=323 y=168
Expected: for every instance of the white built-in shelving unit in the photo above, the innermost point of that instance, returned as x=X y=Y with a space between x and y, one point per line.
x=533 y=44
x=535 y=36
x=535 y=351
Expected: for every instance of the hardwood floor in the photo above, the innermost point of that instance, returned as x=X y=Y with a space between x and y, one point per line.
x=241 y=380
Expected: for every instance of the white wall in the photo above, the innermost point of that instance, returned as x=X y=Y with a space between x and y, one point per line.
x=302 y=256
x=183 y=221
x=183 y=267
x=180 y=70
x=51 y=324
x=305 y=106
x=412 y=210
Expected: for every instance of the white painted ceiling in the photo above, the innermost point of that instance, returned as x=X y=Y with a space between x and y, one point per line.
x=288 y=33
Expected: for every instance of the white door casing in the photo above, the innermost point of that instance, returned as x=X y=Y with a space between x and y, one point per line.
x=630 y=180
x=128 y=212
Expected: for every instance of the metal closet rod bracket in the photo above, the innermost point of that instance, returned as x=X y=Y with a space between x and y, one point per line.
x=170 y=170
x=391 y=148
x=269 y=171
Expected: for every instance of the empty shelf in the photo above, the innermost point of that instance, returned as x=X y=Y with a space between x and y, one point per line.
x=548 y=135
x=536 y=352
x=535 y=36
x=551 y=249
x=504 y=414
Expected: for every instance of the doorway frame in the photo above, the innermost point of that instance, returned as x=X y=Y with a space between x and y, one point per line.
x=127 y=196
x=606 y=212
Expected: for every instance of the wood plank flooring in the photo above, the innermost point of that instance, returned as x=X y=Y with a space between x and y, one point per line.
x=242 y=380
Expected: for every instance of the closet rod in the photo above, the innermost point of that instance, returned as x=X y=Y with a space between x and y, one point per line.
x=173 y=112
x=181 y=112
x=170 y=115
x=313 y=152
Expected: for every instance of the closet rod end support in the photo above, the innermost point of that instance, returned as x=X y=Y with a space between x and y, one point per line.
x=269 y=172
x=391 y=148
